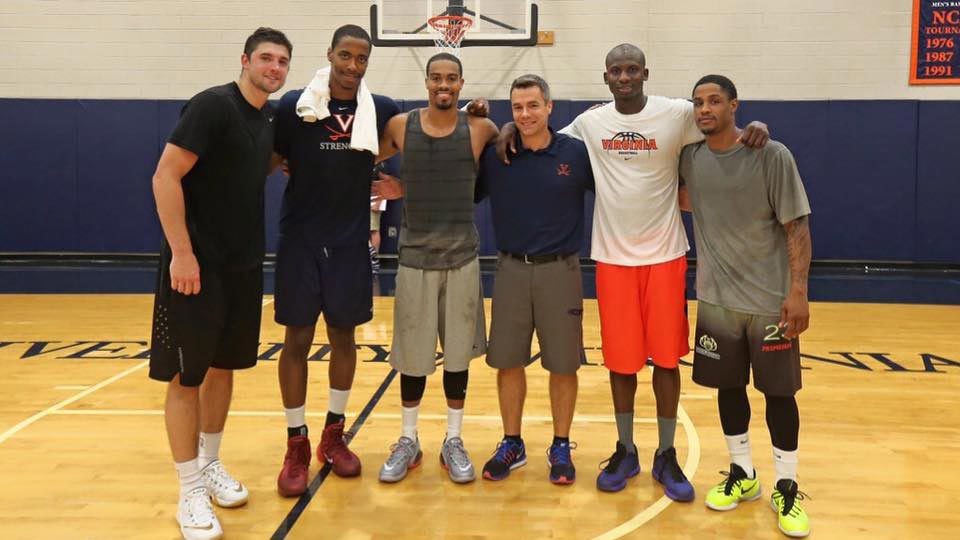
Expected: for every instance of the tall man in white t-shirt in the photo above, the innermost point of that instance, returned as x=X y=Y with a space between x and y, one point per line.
x=640 y=247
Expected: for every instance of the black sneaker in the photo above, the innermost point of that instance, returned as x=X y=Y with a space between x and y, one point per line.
x=508 y=456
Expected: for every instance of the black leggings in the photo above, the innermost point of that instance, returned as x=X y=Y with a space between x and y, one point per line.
x=783 y=416
x=454 y=386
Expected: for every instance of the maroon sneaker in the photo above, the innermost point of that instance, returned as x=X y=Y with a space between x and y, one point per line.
x=333 y=449
x=292 y=481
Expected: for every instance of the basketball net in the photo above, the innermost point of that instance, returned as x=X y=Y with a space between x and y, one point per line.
x=448 y=32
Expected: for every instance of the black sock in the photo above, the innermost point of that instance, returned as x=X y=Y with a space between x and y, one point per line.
x=561 y=440
x=299 y=431
x=334 y=418
x=513 y=438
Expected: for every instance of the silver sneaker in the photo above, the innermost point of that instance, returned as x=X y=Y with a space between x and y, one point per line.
x=456 y=460
x=405 y=454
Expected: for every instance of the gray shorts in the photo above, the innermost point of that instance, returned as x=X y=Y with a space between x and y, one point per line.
x=546 y=297
x=437 y=303
x=728 y=343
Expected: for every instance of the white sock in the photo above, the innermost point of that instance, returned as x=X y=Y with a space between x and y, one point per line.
x=785 y=464
x=739 y=447
x=209 y=450
x=338 y=400
x=454 y=422
x=190 y=477
x=409 y=415
x=296 y=417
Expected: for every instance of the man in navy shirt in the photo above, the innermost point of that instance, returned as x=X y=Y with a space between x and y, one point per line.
x=323 y=261
x=537 y=205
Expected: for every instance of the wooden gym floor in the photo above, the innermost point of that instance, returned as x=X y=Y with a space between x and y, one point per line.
x=83 y=454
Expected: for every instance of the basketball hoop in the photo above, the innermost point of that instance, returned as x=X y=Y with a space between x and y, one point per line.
x=449 y=31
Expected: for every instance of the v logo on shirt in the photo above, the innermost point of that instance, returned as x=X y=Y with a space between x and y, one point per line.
x=344 y=121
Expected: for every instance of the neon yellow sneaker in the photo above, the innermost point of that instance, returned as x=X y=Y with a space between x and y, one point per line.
x=733 y=490
x=793 y=519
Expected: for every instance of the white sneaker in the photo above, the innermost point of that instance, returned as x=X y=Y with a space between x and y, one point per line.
x=196 y=518
x=225 y=490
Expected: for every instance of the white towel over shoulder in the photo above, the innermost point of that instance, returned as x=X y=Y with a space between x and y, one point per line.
x=314 y=104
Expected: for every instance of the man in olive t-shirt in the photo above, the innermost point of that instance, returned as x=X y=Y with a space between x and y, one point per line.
x=753 y=257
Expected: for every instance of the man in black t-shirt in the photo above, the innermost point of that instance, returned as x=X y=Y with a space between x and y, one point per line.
x=209 y=188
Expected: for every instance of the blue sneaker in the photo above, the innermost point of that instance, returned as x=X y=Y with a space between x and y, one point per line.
x=667 y=471
x=618 y=468
x=508 y=456
x=562 y=471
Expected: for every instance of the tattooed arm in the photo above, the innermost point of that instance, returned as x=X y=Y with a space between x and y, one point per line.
x=795 y=313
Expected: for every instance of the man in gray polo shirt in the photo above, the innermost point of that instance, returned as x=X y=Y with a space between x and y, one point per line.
x=752 y=235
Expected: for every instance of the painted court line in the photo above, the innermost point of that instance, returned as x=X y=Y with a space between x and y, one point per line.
x=55 y=408
x=580 y=418
x=288 y=522
x=689 y=469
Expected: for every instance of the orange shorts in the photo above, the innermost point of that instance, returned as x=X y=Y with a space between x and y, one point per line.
x=643 y=314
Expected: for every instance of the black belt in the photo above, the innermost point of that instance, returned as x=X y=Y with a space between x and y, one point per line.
x=537 y=259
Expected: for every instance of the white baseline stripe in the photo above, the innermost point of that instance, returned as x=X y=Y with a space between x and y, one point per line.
x=50 y=410
x=689 y=468
x=603 y=419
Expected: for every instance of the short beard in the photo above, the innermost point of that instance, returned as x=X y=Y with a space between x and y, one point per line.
x=444 y=106
x=262 y=86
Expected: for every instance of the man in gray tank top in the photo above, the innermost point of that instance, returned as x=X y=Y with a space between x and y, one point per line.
x=750 y=215
x=438 y=280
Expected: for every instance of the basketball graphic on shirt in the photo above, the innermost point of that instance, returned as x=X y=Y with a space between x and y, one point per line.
x=629 y=144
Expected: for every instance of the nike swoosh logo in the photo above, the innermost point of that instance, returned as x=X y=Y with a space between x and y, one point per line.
x=745 y=441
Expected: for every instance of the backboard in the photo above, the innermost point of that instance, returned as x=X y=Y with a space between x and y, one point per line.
x=496 y=23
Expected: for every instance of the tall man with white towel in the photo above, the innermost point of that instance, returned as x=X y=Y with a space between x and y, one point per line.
x=328 y=133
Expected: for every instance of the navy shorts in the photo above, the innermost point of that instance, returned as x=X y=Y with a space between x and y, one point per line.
x=219 y=327
x=310 y=280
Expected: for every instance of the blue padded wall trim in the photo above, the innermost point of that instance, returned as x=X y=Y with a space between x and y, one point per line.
x=881 y=175
x=938 y=182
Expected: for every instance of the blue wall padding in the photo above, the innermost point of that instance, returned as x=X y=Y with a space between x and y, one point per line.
x=882 y=176
x=938 y=182
x=869 y=181
x=38 y=176
x=111 y=190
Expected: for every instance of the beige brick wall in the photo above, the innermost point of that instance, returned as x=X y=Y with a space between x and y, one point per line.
x=773 y=49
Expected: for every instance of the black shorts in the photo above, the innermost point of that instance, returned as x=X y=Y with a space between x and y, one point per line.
x=728 y=343
x=219 y=327
x=310 y=280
